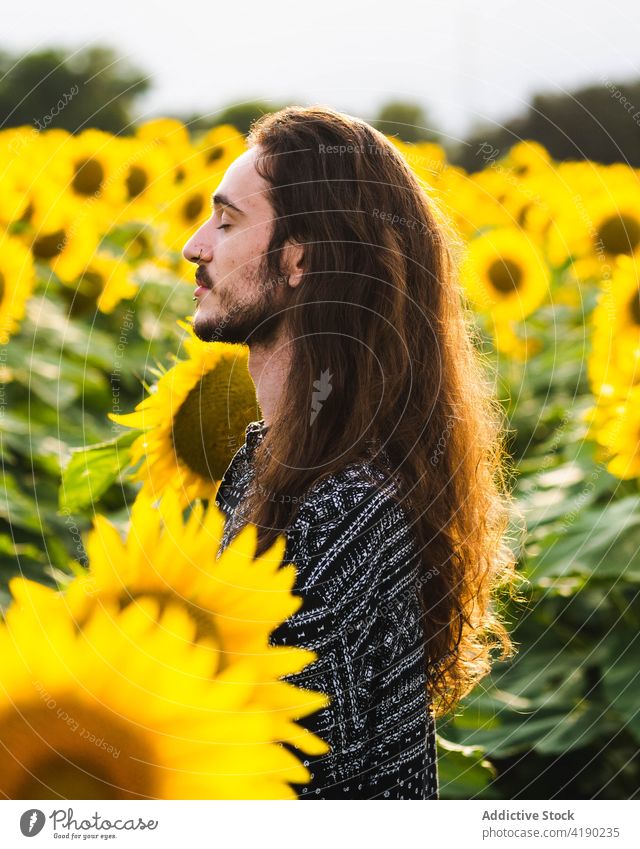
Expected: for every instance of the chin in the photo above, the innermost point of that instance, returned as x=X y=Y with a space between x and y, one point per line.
x=211 y=329
x=206 y=327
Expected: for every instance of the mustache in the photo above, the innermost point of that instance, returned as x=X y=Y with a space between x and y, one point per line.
x=203 y=278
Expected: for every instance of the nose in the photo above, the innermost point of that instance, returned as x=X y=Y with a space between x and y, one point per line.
x=196 y=249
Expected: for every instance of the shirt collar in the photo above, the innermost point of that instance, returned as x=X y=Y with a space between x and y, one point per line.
x=256 y=431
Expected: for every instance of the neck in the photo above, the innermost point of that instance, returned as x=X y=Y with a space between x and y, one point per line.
x=268 y=368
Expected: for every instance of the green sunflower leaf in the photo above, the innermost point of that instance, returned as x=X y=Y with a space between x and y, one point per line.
x=92 y=470
x=463 y=772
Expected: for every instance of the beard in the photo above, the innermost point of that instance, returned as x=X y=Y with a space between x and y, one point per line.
x=257 y=320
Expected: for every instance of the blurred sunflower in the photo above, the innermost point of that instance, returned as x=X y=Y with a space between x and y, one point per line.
x=505 y=274
x=45 y=201
x=616 y=219
x=74 y=175
x=130 y=701
x=611 y=222
x=14 y=179
x=64 y=241
x=103 y=283
x=148 y=180
x=614 y=423
x=188 y=208
x=426 y=159
x=528 y=157
x=615 y=350
x=462 y=199
x=95 y=166
x=194 y=421
x=174 y=137
x=17 y=280
x=507 y=341
x=217 y=149
x=235 y=600
x=536 y=214
x=567 y=231
x=137 y=241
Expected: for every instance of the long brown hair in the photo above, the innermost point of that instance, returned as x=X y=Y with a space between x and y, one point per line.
x=379 y=312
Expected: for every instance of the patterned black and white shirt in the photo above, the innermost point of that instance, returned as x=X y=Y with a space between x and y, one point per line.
x=357 y=572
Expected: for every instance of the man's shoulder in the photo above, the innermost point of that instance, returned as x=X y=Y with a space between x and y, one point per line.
x=359 y=498
x=353 y=482
x=352 y=538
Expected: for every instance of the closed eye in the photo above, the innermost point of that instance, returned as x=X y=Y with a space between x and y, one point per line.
x=223 y=226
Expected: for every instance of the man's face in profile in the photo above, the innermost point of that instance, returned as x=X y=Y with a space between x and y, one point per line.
x=236 y=302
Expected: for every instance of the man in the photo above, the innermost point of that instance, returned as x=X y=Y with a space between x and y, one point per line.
x=375 y=454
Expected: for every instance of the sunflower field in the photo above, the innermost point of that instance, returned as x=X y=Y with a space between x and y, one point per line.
x=108 y=402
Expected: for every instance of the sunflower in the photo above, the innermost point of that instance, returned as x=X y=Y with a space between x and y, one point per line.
x=616 y=219
x=64 y=240
x=103 y=283
x=566 y=223
x=217 y=149
x=615 y=426
x=17 y=280
x=148 y=179
x=462 y=199
x=174 y=137
x=78 y=173
x=14 y=177
x=188 y=208
x=426 y=159
x=137 y=241
x=95 y=169
x=489 y=190
x=615 y=353
x=610 y=222
x=111 y=691
x=45 y=201
x=233 y=600
x=508 y=341
x=194 y=421
x=505 y=274
x=528 y=157
x=614 y=231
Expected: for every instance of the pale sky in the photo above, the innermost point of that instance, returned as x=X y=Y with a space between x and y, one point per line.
x=466 y=62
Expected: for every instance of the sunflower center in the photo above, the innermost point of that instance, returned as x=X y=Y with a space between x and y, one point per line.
x=87 y=291
x=139 y=246
x=27 y=214
x=2 y=286
x=49 y=246
x=136 y=181
x=193 y=207
x=91 y=284
x=505 y=275
x=64 y=749
x=634 y=307
x=521 y=217
x=203 y=425
x=620 y=234
x=88 y=177
x=214 y=153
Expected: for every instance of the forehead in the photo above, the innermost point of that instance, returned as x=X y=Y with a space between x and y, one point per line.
x=244 y=187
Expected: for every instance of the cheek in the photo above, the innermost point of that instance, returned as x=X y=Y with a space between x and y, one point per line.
x=244 y=253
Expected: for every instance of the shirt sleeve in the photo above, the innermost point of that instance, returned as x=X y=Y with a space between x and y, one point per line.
x=357 y=574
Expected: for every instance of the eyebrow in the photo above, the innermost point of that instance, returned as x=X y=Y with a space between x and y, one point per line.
x=223 y=200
